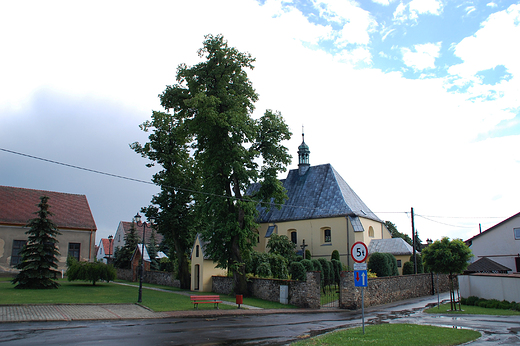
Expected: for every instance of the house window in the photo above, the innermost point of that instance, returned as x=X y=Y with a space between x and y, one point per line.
x=398 y=263
x=326 y=235
x=371 y=232
x=74 y=250
x=517 y=233
x=197 y=251
x=16 y=257
x=294 y=237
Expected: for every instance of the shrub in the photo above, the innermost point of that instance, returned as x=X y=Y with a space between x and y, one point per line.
x=254 y=261
x=471 y=300
x=420 y=266
x=317 y=267
x=278 y=266
x=392 y=262
x=264 y=270
x=325 y=271
x=334 y=255
x=408 y=268
x=308 y=254
x=332 y=273
x=378 y=264
x=337 y=266
x=297 y=271
x=308 y=265
x=91 y=271
x=166 y=265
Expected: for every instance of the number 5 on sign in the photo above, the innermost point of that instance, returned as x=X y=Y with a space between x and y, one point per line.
x=359 y=252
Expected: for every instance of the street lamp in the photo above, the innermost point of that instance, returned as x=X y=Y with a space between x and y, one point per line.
x=150 y=224
x=110 y=237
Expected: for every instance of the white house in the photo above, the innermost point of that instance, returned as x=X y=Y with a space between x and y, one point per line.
x=501 y=243
x=105 y=249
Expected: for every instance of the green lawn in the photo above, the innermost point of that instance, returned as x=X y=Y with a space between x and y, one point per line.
x=470 y=310
x=394 y=334
x=111 y=293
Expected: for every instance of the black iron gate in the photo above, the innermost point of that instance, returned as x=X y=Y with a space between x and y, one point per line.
x=330 y=296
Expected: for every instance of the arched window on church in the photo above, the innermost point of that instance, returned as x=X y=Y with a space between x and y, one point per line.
x=371 y=232
x=294 y=236
x=327 y=236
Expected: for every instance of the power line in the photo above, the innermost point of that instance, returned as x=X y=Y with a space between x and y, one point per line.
x=231 y=197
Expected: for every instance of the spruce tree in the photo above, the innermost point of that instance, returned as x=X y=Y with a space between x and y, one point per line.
x=152 y=251
x=123 y=255
x=39 y=255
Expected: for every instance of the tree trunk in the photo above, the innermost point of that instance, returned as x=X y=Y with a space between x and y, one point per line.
x=184 y=271
x=239 y=274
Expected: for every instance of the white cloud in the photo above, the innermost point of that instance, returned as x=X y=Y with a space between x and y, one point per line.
x=357 y=23
x=490 y=46
x=422 y=57
x=412 y=10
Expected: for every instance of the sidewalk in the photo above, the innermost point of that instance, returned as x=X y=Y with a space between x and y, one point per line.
x=86 y=312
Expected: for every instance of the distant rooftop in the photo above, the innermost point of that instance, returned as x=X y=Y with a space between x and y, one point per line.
x=394 y=246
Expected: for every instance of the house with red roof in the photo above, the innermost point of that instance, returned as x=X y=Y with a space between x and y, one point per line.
x=105 y=249
x=71 y=214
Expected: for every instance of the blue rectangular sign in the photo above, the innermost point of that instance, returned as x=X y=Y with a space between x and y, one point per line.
x=360 y=278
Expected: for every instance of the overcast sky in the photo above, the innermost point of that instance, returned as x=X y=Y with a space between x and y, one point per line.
x=415 y=103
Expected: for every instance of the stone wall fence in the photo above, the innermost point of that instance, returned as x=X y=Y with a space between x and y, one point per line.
x=303 y=294
x=150 y=277
x=390 y=289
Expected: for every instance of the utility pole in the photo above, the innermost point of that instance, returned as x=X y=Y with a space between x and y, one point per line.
x=413 y=244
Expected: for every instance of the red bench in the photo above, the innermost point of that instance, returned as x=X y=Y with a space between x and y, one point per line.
x=196 y=300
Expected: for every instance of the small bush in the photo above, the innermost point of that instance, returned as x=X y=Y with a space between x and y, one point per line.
x=325 y=271
x=90 y=271
x=408 y=268
x=392 y=262
x=264 y=270
x=334 y=255
x=308 y=254
x=337 y=270
x=278 y=266
x=471 y=300
x=307 y=264
x=378 y=264
x=297 y=271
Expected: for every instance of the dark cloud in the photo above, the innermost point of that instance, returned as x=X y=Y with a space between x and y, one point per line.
x=85 y=132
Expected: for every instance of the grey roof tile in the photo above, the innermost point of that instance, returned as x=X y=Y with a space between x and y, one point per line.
x=320 y=193
x=394 y=246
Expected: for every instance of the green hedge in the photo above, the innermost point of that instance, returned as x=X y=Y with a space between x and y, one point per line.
x=490 y=303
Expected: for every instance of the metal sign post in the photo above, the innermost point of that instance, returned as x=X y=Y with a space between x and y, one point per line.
x=359 y=254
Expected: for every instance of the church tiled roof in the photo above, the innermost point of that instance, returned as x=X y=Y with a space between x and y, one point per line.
x=319 y=193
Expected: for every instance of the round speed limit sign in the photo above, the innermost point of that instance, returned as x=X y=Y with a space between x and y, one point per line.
x=359 y=252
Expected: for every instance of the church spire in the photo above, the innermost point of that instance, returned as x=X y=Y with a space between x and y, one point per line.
x=303 y=155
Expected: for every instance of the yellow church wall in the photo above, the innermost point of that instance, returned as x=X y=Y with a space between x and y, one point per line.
x=205 y=270
x=342 y=235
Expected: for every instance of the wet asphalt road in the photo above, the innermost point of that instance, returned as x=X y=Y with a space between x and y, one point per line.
x=275 y=329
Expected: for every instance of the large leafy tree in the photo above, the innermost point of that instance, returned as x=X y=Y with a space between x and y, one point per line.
x=173 y=207
x=396 y=234
x=212 y=105
x=39 y=261
x=447 y=257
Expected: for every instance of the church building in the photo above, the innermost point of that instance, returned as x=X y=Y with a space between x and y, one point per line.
x=322 y=213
